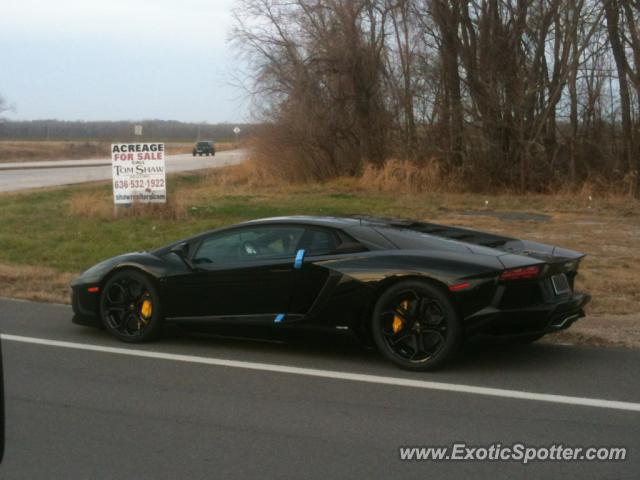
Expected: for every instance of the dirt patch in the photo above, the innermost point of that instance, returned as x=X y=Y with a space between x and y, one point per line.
x=35 y=283
x=601 y=331
x=509 y=216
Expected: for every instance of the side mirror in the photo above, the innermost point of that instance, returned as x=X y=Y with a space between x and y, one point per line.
x=182 y=251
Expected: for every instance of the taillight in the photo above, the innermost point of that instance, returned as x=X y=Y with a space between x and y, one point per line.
x=524 y=273
x=459 y=286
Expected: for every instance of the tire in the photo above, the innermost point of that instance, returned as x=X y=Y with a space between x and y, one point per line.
x=429 y=330
x=122 y=307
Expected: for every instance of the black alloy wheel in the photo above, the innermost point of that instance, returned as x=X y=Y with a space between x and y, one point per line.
x=415 y=325
x=130 y=307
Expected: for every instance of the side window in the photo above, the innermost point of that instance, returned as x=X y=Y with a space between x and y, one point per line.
x=249 y=244
x=319 y=242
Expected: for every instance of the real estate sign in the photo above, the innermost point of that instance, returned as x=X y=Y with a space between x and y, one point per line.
x=138 y=173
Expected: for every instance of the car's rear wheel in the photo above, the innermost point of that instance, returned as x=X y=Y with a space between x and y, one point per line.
x=415 y=325
x=130 y=307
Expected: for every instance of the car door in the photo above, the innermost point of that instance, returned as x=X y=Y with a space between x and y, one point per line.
x=319 y=244
x=322 y=293
x=246 y=271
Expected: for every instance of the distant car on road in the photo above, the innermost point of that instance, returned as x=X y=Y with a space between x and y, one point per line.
x=415 y=290
x=204 y=148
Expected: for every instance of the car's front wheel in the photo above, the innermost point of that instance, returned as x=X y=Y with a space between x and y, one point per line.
x=415 y=325
x=130 y=307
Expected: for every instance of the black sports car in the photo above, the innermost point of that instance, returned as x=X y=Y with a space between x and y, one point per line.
x=413 y=289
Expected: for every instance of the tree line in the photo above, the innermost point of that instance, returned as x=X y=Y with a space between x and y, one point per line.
x=117 y=131
x=519 y=94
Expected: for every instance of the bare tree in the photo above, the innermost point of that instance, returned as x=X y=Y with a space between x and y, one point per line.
x=503 y=92
x=320 y=68
x=612 y=11
x=401 y=79
x=447 y=19
x=632 y=15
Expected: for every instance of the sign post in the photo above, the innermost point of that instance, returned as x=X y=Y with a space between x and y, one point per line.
x=139 y=173
x=237 y=132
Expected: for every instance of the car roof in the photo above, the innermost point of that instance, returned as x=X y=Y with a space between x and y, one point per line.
x=327 y=221
x=335 y=221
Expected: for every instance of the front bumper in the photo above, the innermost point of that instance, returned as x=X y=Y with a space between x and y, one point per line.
x=531 y=320
x=85 y=308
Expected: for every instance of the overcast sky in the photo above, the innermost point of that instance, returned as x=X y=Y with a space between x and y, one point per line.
x=119 y=59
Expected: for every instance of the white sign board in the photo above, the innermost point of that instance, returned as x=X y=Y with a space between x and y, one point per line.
x=137 y=130
x=138 y=173
x=237 y=130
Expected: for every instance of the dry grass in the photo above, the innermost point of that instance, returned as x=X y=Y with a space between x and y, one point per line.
x=34 y=283
x=95 y=205
x=31 y=151
x=403 y=175
x=231 y=180
x=90 y=204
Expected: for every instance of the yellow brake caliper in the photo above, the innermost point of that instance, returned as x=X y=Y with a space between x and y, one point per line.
x=398 y=323
x=146 y=310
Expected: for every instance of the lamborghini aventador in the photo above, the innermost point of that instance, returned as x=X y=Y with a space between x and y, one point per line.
x=414 y=290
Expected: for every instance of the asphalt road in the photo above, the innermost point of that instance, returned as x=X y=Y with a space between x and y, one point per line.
x=23 y=176
x=81 y=413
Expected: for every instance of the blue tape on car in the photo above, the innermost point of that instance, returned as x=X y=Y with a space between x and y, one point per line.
x=299 y=257
x=279 y=318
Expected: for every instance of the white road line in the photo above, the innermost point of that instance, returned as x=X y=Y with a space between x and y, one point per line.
x=354 y=377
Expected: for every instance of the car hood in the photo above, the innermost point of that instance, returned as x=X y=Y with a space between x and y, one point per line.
x=96 y=273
